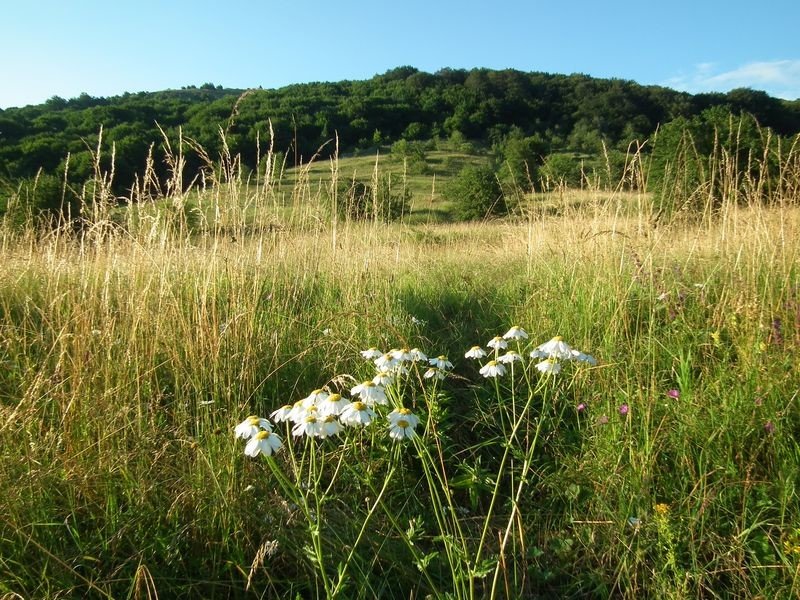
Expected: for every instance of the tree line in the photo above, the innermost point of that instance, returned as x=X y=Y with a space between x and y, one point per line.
x=521 y=115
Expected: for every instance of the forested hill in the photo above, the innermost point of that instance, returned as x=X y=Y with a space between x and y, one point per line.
x=559 y=112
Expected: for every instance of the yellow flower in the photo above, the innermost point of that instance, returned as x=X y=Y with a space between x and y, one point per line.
x=661 y=509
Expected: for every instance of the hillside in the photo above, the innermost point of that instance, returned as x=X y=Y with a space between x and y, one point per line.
x=549 y=113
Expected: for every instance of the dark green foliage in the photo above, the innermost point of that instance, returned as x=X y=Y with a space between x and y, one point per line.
x=42 y=197
x=476 y=194
x=520 y=157
x=700 y=163
x=562 y=168
x=524 y=116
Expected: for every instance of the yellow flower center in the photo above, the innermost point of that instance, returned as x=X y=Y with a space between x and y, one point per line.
x=253 y=420
x=359 y=406
x=262 y=435
x=558 y=338
x=404 y=411
x=334 y=397
x=402 y=423
x=311 y=419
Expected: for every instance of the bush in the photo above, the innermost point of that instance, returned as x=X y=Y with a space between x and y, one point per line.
x=476 y=194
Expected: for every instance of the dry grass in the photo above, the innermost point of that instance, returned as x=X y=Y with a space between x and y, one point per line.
x=130 y=351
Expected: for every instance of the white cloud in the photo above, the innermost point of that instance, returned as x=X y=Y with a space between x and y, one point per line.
x=779 y=78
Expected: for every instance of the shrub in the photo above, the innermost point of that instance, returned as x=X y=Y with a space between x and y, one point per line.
x=476 y=194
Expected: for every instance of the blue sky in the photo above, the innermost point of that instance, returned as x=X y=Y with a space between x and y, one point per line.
x=107 y=47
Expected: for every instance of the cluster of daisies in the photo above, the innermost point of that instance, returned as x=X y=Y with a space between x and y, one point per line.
x=552 y=354
x=325 y=414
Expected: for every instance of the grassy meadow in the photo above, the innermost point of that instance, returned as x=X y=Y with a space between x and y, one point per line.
x=665 y=468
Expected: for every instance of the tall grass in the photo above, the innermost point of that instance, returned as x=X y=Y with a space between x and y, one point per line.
x=130 y=348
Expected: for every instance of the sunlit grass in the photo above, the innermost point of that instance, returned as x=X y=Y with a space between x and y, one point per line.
x=128 y=356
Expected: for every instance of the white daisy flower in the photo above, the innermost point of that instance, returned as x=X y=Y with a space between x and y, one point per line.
x=370 y=392
x=549 y=366
x=555 y=348
x=251 y=426
x=492 y=369
x=264 y=442
x=314 y=398
x=401 y=355
x=371 y=353
x=435 y=372
x=332 y=405
x=497 y=343
x=383 y=378
x=509 y=357
x=310 y=426
x=515 y=333
x=282 y=414
x=330 y=426
x=417 y=355
x=441 y=362
x=297 y=412
x=587 y=358
x=475 y=352
x=401 y=429
x=386 y=362
x=403 y=413
x=357 y=413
